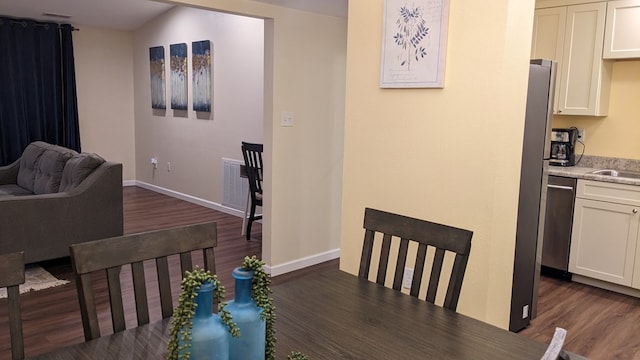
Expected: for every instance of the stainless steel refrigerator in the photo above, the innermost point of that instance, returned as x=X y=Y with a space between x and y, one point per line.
x=533 y=193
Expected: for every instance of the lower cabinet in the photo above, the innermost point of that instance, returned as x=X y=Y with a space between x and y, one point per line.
x=606 y=225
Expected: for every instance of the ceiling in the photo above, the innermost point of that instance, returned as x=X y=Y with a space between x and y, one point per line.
x=130 y=14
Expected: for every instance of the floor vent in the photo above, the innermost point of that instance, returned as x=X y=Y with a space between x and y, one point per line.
x=235 y=188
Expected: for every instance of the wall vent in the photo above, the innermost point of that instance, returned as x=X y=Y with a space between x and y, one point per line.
x=235 y=188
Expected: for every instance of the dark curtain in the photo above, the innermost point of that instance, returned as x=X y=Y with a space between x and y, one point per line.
x=37 y=86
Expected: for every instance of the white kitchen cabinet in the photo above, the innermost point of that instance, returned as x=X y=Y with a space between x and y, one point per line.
x=548 y=40
x=622 y=33
x=576 y=43
x=606 y=225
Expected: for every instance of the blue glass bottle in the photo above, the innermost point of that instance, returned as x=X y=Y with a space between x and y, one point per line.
x=246 y=313
x=209 y=336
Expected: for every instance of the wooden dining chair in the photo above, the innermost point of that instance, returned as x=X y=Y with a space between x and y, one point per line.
x=11 y=276
x=111 y=254
x=402 y=230
x=252 y=154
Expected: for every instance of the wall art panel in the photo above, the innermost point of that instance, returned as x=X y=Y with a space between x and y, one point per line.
x=179 y=81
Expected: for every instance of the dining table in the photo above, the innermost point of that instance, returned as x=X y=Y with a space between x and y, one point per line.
x=337 y=315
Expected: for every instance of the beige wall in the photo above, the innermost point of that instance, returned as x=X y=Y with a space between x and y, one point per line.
x=304 y=73
x=617 y=134
x=448 y=155
x=104 y=81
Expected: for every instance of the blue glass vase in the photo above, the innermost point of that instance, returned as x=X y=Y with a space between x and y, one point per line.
x=209 y=336
x=246 y=313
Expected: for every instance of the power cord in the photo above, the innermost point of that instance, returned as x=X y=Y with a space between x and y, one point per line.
x=581 y=143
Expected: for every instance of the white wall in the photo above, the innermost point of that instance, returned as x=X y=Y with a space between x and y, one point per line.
x=104 y=82
x=195 y=143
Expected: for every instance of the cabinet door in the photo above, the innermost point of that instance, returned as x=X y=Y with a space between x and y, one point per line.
x=548 y=39
x=584 y=83
x=603 y=242
x=622 y=35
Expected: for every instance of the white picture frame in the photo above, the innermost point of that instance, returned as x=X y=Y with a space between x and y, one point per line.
x=414 y=43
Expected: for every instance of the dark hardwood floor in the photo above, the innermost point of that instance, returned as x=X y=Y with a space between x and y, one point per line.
x=600 y=324
x=51 y=317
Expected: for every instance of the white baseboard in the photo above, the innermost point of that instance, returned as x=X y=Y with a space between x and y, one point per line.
x=606 y=285
x=189 y=198
x=302 y=263
x=273 y=270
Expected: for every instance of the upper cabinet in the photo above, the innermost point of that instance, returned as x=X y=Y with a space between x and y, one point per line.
x=622 y=35
x=573 y=36
x=548 y=40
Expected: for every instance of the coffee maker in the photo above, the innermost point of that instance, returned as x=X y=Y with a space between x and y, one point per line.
x=563 y=143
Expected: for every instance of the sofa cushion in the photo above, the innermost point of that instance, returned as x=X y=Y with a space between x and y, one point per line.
x=28 y=164
x=77 y=169
x=13 y=190
x=49 y=170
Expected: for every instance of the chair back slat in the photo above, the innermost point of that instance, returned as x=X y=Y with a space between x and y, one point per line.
x=383 y=264
x=12 y=275
x=367 y=252
x=209 y=260
x=140 y=292
x=115 y=298
x=133 y=250
x=421 y=259
x=164 y=286
x=436 y=271
x=88 y=311
x=400 y=265
x=455 y=283
x=185 y=262
x=426 y=234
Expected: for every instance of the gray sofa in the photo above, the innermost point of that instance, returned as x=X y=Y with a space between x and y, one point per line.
x=53 y=197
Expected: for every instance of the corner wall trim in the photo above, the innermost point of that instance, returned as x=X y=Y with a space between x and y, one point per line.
x=189 y=198
x=303 y=262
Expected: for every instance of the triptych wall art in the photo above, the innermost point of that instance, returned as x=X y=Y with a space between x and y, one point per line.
x=178 y=67
x=156 y=62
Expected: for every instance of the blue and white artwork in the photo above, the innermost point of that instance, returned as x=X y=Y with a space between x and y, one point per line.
x=201 y=59
x=414 y=43
x=158 y=89
x=178 y=61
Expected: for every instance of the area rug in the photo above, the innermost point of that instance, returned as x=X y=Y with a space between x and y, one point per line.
x=36 y=278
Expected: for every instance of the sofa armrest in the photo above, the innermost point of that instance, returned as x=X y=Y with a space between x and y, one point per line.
x=9 y=173
x=43 y=226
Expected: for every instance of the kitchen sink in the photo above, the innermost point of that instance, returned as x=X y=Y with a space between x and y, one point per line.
x=616 y=173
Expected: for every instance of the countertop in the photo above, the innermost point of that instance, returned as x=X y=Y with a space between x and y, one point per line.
x=584 y=172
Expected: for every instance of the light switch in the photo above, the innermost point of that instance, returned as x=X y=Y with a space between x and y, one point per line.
x=286 y=118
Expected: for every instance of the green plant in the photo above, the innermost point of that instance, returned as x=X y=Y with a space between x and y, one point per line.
x=183 y=313
x=261 y=293
x=294 y=355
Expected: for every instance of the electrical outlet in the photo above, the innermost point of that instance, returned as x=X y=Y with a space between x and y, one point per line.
x=286 y=118
x=168 y=165
x=525 y=311
x=154 y=162
x=407 y=278
x=581 y=134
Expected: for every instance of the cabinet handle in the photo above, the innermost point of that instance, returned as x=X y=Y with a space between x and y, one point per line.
x=561 y=187
x=635 y=211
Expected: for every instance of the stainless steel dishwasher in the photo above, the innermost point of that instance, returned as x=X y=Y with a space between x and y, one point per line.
x=561 y=194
